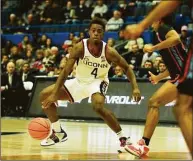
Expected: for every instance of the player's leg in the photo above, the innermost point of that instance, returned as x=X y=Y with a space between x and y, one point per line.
x=107 y=115
x=98 y=101
x=58 y=134
x=183 y=112
x=51 y=112
x=165 y=94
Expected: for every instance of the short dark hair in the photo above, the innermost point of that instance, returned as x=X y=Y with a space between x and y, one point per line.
x=97 y=21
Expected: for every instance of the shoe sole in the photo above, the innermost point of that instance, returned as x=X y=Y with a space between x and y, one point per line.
x=63 y=140
x=132 y=152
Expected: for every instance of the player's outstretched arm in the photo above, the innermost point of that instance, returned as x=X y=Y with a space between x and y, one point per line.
x=114 y=57
x=163 y=9
x=172 y=39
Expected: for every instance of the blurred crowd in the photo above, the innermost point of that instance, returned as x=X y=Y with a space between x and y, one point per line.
x=37 y=12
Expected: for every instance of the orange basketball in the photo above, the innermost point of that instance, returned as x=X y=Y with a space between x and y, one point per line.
x=39 y=128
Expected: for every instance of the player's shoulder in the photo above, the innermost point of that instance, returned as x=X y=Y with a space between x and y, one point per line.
x=110 y=50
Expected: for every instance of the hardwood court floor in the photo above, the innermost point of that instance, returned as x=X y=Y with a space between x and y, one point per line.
x=87 y=141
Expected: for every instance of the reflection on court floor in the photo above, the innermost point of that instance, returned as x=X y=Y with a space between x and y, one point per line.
x=88 y=141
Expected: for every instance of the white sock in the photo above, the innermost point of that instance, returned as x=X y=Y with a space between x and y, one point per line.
x=56 y=126
x=120 y=134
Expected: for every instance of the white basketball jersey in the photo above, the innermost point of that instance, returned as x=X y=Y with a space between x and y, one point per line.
x=90 y=67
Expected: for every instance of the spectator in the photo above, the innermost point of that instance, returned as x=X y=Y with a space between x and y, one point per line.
x=110 y=42
x=69 y=13
x=48 y=43
x=12 y=88
x=157 y=61
x=12 y=20
x=119 y=73
x=124 y=9
x=29 y=57
x=100 y=9
x=68 y=42
x=82 y=35
x=38 y=64
x=25 y=73
x=132 y=7
x=47 y=56
x=46 y=15
x=144 y=71
x=149 y=56
x=22 y=45
x=82 y=12
x=148 y=64
x=8 y=46
x=15 y=55
x=4 y=62
x=184 y=37
x=55 y=56
x=12 y=23
x=115 y=23
x=134 y=57
x=161 y=67
x=139 y=42
x=42 y=41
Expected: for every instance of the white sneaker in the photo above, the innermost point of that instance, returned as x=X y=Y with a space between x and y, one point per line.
x=55 y=137
x=138 y=149
x=123 y=142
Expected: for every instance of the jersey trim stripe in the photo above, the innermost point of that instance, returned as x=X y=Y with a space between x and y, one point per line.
x=190 y=53
x=83 y=49
x=170 y=53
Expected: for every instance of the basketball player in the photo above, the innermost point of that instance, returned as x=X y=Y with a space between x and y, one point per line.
x=94 y=59
x=183 y=108
x=184 y=105
x=174 y=56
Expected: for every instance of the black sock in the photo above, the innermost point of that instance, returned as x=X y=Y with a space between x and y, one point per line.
x=146 y=140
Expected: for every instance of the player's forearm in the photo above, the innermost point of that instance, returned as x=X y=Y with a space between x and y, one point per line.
x=172 y=41
x=163 y=9
x=163 y=75
x=131 y=76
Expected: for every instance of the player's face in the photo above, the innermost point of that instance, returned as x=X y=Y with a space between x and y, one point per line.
x=96 y=32
x=155 y=25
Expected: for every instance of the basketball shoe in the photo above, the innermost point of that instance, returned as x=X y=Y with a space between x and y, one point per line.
x=54 y=137
x=138 y=149
x=123 y=142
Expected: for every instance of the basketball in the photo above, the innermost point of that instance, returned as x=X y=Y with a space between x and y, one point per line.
x=39 y=128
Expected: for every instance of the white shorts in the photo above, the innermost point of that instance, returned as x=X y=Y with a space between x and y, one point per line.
x=78 y=91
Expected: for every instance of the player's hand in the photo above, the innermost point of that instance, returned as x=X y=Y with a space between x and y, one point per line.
x=133 y=31
x=153 y=78
x=136 y=95
x=52 y=98
x=148 y=48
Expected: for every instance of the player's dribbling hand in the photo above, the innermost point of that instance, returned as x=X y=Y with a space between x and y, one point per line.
x=136 y=95
x=153 y=78
x=133 y=31
x=49 y=101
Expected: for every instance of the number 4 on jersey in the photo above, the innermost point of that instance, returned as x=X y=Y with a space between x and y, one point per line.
x=94 y=72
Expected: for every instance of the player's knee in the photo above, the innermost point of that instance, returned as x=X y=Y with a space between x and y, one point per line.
x=153 y=103
x=97 y=105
